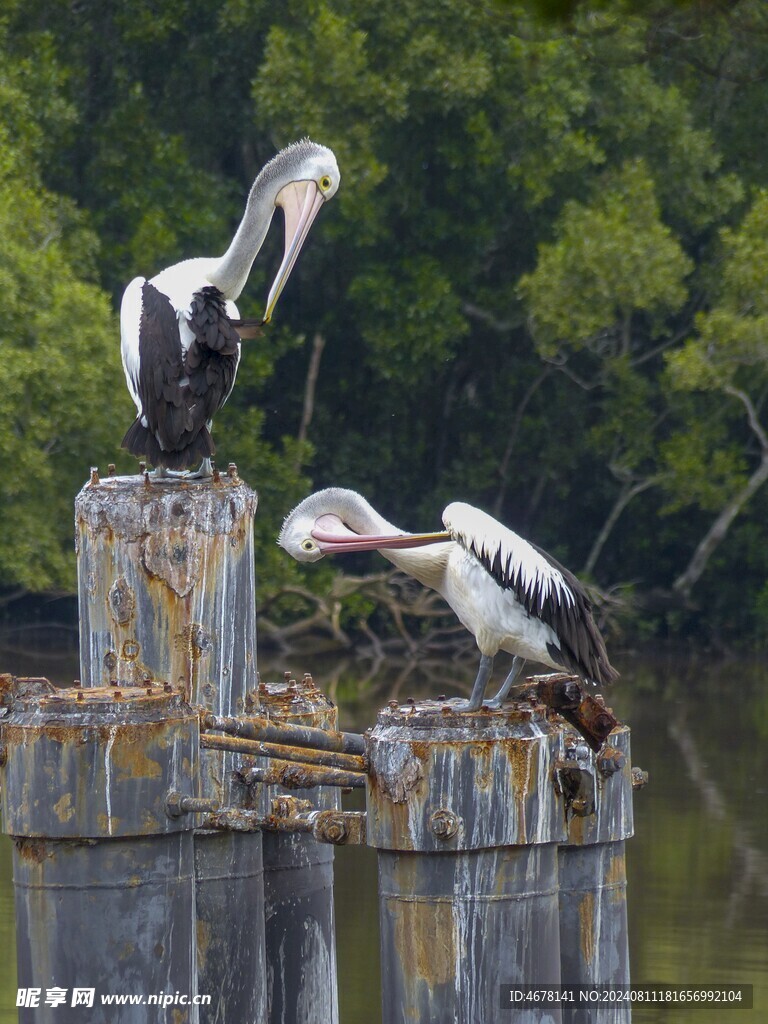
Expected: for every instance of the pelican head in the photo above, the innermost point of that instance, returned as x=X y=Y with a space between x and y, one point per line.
x=337 y=521
x=306 y=176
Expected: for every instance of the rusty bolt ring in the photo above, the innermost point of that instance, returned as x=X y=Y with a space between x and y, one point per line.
x=444 y=824
x=334 y=830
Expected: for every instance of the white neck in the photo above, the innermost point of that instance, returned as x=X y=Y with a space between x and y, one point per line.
x=232 y=270
x=426 y=564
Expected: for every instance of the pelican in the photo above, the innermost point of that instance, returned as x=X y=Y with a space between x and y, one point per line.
x=181 y=330
x=508 y=593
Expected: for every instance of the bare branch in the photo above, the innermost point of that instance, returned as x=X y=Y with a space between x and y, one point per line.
x=313 y=370
x=503 y=469
x=754 y=422
x=489 y=319
x=628 y=493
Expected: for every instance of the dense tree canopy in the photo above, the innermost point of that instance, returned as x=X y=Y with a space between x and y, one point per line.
x=541 y=288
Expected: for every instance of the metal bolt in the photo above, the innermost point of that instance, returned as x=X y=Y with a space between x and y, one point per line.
x=118 y=693
x=232 y=472
x=80 y=695
x=167 y=688
x=111 y=469
x=149 y=691
x=409 y=700
x=76 y=682
x=639 y=778
x=444 y=824
x=333 y=830
x=611 y=761
x=577 y=752
x=94 y=475
x=442 y=697
x=394 y=704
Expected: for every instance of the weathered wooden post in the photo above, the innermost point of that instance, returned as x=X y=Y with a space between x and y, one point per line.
x=298 y=879
x=166 y=586
x=466 y=821
x=103 y=876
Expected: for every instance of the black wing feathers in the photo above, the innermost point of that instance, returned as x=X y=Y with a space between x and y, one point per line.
x=581 y=647
x=181 y=393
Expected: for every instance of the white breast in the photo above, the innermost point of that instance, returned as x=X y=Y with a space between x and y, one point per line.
x=495 y=617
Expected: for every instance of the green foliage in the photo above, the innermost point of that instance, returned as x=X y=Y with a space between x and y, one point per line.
x=59 y=377
x=612 y=260
x=542 y=285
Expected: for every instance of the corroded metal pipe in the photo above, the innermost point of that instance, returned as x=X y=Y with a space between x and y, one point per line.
x=93 y=879
x=326 y=758
x=298 y=870
x=166 y=587
x=258 y=728
x=466 y=823
x=594 y=943
x=295 y=776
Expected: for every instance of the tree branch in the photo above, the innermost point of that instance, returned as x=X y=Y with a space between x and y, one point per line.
x=313 y=370
x=628 y=493
x=719 y=529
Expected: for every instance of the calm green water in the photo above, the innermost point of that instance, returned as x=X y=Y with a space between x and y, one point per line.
x=698 y=864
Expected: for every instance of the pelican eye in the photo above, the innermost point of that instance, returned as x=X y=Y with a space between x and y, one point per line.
x=325 y=182
x=307 y=545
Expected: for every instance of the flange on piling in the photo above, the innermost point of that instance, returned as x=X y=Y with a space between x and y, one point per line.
x=95 y=881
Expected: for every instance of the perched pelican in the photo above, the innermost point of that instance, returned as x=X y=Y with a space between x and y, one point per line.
x=509 y=594
x=181 y=330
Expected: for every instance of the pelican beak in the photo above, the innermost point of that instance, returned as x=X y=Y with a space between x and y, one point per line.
x=333 y=538
x=301 y=202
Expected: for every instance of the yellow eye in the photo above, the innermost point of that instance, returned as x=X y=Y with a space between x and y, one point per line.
x=325 y=182
x=308 y=545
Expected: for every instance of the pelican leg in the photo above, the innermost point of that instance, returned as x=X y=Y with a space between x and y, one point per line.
x=160 y=473
x=475 y=701
x=506 y=686
x=206 y=470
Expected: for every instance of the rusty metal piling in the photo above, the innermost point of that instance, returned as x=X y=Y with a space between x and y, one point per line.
x=466 y=824
x=298 y=870
x=500 y=838
x=594 y=942
x=166 y=586
x=94 y=880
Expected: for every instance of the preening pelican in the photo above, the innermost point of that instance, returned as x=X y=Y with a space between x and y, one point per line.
x=181 y=329
x=510 y=595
